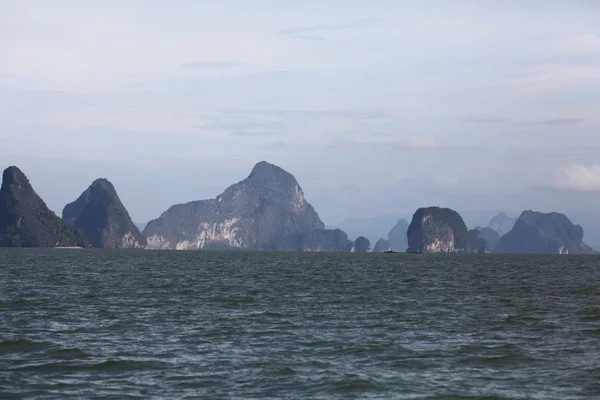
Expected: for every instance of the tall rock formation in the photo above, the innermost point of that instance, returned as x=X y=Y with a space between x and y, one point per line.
x=362 y=245
x=437 y=230
x=397 y=236
x=101 y=216
x=381 y=246
x=502 y=224
x=491 y=237
x=543 y=233
x=26 y=221
x=261 y=212
x=477 y=242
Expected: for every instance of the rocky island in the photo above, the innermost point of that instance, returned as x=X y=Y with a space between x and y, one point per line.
x=101 y=216
x=381 y=246
x=26 y=221
x=397 y=237
x=265 y=211
x=543 y=233
x=437 y=230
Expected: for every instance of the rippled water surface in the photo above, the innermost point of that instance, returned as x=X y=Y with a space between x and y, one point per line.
x=135 y=324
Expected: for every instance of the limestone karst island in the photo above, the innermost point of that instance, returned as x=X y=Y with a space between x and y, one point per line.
x=265 y=211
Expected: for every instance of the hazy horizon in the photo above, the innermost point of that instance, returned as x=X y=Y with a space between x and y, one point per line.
x=375 y=108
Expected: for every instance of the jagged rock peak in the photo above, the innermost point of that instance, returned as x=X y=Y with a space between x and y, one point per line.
x=502 y=223
x=260 y=212
x=266 y=169
x=101 y=215
x=543 y=233
x=14 y=176
x=26 y=221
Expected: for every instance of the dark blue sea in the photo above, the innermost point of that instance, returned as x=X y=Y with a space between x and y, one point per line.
x=219 y=325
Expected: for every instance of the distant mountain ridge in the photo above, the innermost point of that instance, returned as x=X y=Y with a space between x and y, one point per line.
x=502 y=223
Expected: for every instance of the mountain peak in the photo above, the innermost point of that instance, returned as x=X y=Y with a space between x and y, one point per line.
x=267 y=210
x=26 y=221
x=14 y=176
x=99 y=213
x=267 y=170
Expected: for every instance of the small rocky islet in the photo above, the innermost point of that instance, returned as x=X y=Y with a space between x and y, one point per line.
x=265 y=211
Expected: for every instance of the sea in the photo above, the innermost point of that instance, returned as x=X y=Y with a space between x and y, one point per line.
x=127 y=324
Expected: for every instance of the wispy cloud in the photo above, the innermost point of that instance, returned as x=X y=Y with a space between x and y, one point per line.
x=563 y=121
x=484 y=120
x=208 y=64
x=9 y=76
x=579 y=178
x=353 y=114
x=309 y=32
x=244 y=126
x=422 y=142
x=446 y=181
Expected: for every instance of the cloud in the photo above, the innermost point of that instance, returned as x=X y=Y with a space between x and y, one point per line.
x=275 y=146
x=9 y=76
x=252 y=133
x=560 y=76
x=312 y=38
x=353 y=114
x=579 y=178
x=446 y=181
x=207 y=64
x=419 y=143
x=244 y=126
x=584 y=43
x=484 y=120
x=307 y=32
x=563 y=121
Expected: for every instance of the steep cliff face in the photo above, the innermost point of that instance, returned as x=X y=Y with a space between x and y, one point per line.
x=491 y=237
x=477 y=242
x=255 y=213
x=502 y=224
x=543 y=233
x=26 y=221
x=381 y=246
x=101 y=216
x=397 y=236
x=437 y=230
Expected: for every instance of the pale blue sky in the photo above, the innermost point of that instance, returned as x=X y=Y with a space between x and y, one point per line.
x=375 y=107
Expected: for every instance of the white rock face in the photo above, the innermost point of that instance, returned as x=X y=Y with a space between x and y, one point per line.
x=128 y=241
x=439 y=246
x=157 y=242
x=225 y=232
x=563 y=250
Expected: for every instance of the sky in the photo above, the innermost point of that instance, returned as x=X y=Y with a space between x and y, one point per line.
x=375 y=107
